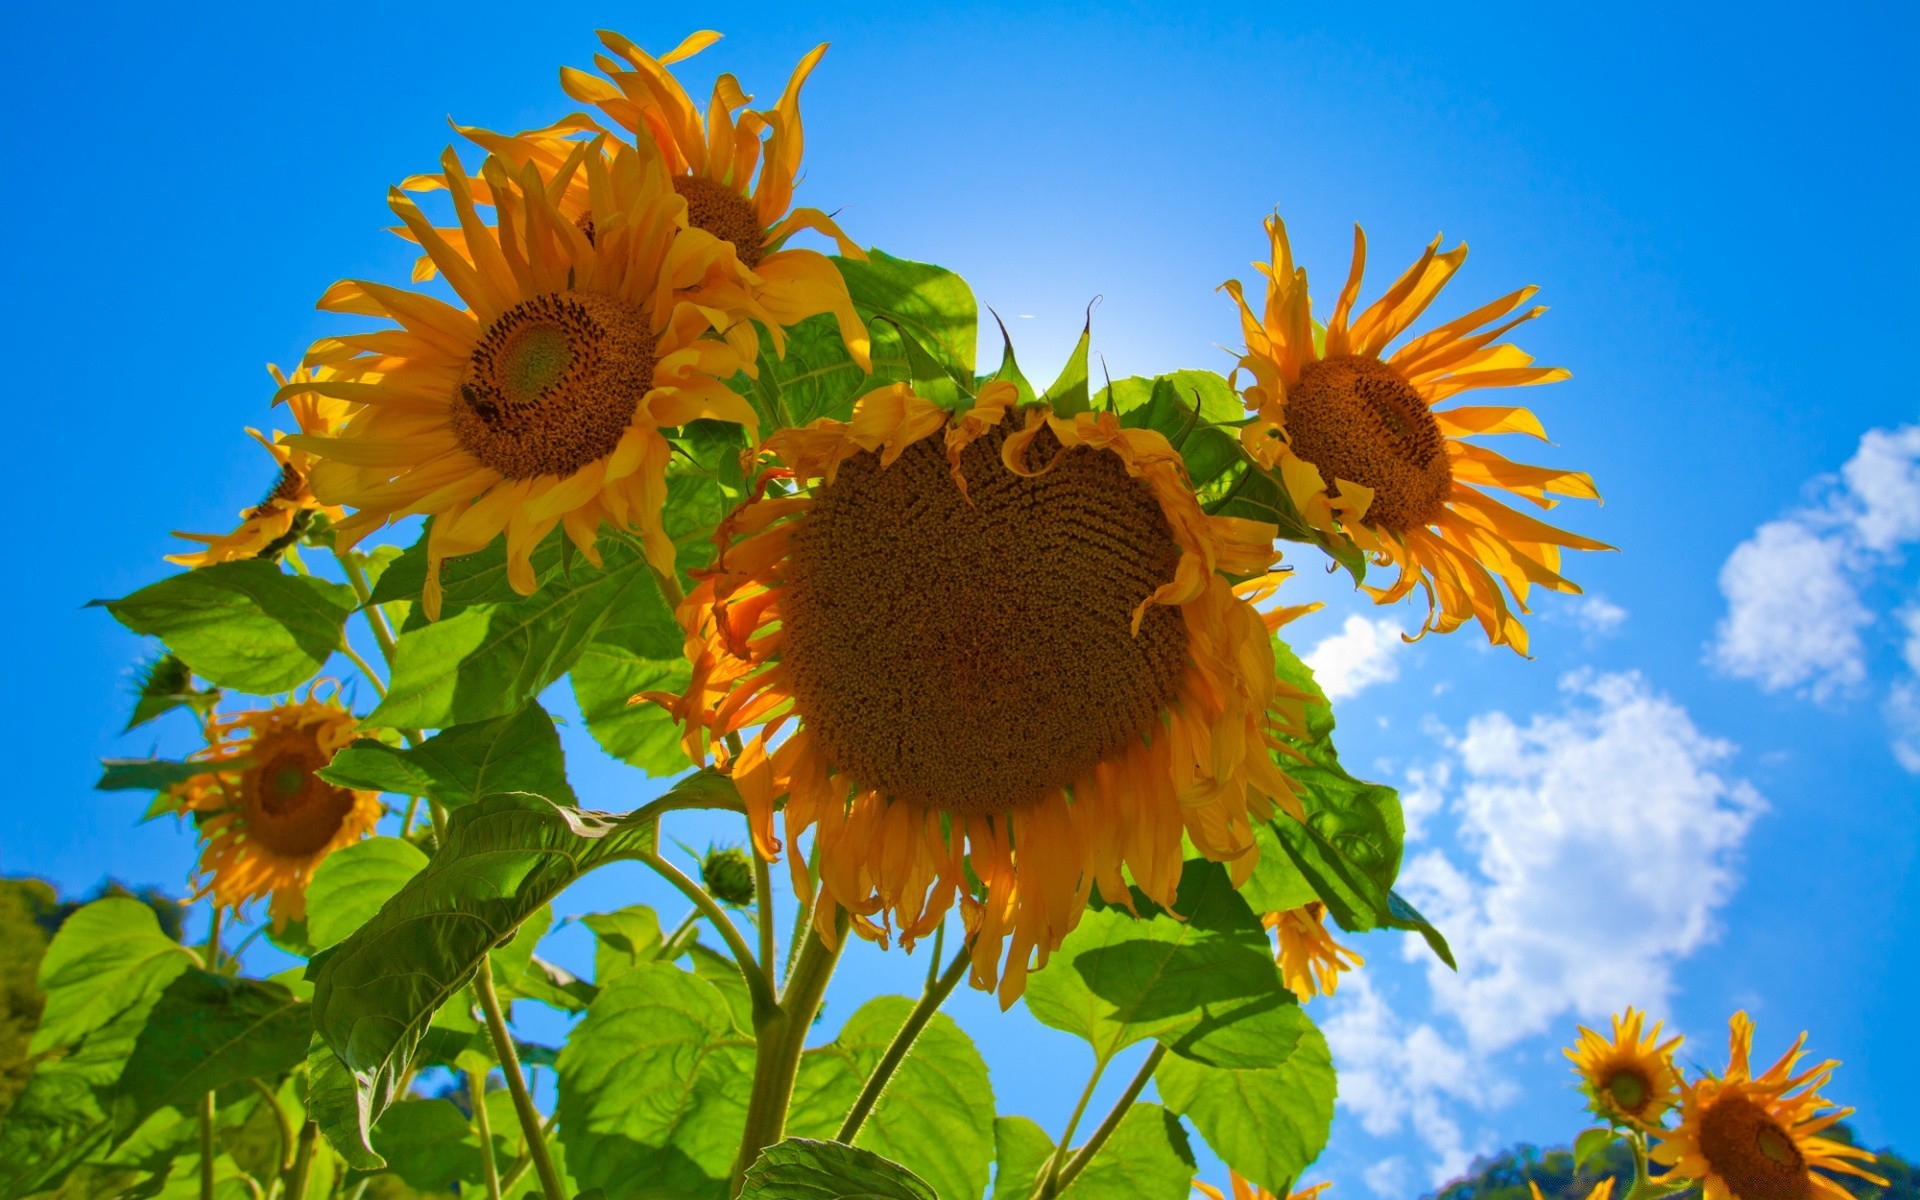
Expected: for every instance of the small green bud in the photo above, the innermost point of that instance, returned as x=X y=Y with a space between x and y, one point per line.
x=728 y=874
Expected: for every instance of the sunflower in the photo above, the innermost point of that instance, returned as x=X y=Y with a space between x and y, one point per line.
x=278 y=520
x=1629 y=1078
x=540 y=403
x=1758 y=1138
x=1310 y=960
x=735 y=170
x=1244 y=1190
x=1601 y=1191
x=1367 y=459
x=266 y=819
x=1013 y=654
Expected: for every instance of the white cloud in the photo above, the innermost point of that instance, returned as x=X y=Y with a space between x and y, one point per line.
x=1598 y=615
x=1388 y=1177
x=1903 y=715
x=1795 y=616
x=1602 y=841
x=1362 y=654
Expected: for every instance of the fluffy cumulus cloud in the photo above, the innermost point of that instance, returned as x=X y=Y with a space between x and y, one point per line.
x=1597 y=842
x=1599 y=615
x=1364 y=652
x=1796 y=616
x=1903 y=700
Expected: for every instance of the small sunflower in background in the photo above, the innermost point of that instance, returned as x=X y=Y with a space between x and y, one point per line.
x=541 y=403
x=734 y=169
x=1244 y=1190
x=1629 y=1078
x=266 y=818
x=956 y=624
x=1601 y=1191
x=1365 y=455
x=1310 y=960
x=1748 y=1137
x=277 y=521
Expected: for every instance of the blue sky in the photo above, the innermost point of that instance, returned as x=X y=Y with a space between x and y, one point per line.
x=1693 y=798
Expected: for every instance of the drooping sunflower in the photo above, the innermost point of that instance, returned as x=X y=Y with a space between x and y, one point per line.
x=266 y=819
x=1629 y=1078
x=1747 y=1137
x=1310 y=960
x=277 y=521
x=542 y=402
x=1366 y=455
x=987 y=652
x=734 y=169
x=1244 y=1189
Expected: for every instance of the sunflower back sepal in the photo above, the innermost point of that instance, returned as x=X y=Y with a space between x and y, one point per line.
x=1068 y=395
x=1009 y=369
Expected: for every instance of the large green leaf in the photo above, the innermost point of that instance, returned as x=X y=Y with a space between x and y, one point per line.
x=817 y=377
x=243 y=625
x=1267 y=1119
x=1147 y=1158
x=653 y=1087
x=638 y=650
x=500 y=862
x=108 y=957
x=930 y=303
x=936 y=1116
x=207 y=1031
x=145 y=774
x=1021 y=1148
x=623 y=939
x=489 y=659
x=430 y=1145
x=1118 y=979
x=801 y=1169
x=515 y=753
x=350 y=885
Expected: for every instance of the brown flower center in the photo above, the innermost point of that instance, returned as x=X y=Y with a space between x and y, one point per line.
x=1629 y=1089
x=1357 y=419
x=977 y=656
x=726 y=214
x=287 y=808
x=553 y=384
x=1748 y=1149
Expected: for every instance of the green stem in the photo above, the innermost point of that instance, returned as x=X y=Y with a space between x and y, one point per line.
x=285 y=1127
x=930 y=1001
x=679 y=931
x=477 y=1095
x=1114 y=1116
x=779 y=1036
x=210 y=957
x=406 y=822
x=1043 y=1182
x=363 y=591
x=302 y=1162
x=366 y=669
x=801 y=912
x=524 y=1163
x=763 y=915
x=516 y=1084
x=763 y=998
x=933 y=959
x=206 y=1147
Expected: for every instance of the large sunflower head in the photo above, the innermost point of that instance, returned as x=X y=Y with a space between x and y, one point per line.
x=289 y=505
x=1000 y=657
x=1366 y=456
x=1629 y=1078
x=266 y=818
x=1748 y=1137
x=1244 y=1189
x=1310 y=960
x=733 y=169
x=541 y=402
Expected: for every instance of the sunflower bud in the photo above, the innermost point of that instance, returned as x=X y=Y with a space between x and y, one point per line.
x=728 y=874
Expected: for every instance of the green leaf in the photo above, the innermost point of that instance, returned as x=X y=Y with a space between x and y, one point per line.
x=1267 y=1122
x=554 y=985
x=350 y=885
x=516 y=753
x=1021 y=1148
x=800 y=1169
x=165 y=684
x=1589 y=1143
x=242 y=625
x=208 y=1031
x=638 y=650
x=1118 y=979
x=931 y=303
x=625 y=939
x=470 y=579
x=340 y=1107
x=1186 y=408
x=1068 y=394
x=723 y=972
x=1147 y=1158
x=817 y=377
x=653 y=1087
x=500 y=862
x=489 y=660
x=936 y=1116
x=429 y=1144
x=147 y=774
x=108 y=957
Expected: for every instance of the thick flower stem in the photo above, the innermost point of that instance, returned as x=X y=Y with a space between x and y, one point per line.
x=483 y=1124
x=763 y=917
x=516 y=1083
x=1115 y=1115
x=930 y=1001
x=302 y=1162
x=779 y=1036
x=206 y=1147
